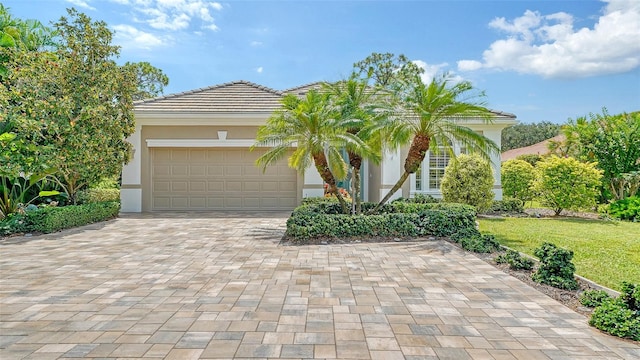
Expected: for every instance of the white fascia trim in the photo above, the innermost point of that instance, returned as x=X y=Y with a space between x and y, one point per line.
x=195 y=119
x=186 y=143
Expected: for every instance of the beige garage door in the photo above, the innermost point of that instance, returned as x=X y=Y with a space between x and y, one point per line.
x=219 y=179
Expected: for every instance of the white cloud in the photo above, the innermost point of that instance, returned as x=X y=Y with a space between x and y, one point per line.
x=82 y=4
x=548 y=45
x=175 y=14
x=130 y=37
x=255 y=43
x=259 y=70
x=433 y=70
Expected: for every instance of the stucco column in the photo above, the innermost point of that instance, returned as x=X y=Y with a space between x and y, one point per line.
x=390 y=168
x=313 y=184
x=495 y=135
x=131 y=189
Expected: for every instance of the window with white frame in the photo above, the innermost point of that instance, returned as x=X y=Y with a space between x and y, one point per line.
x=429 y=175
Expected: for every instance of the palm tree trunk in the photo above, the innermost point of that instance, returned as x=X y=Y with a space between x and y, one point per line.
x=396 y=187
x=417 y=151
x=355 y=161
x=320 y=160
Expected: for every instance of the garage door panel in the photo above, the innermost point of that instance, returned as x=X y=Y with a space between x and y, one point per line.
x=233 y=170
x=180 y=155
x=197 y=203
x=180 y=202
x=215 y=186
x=179 y=186
x=235 y=186
x=162 y=202
x=218 y=179
x=179 y=170
x=197 y=186
x=198 y=170
x=286 y=185
x=251 y=186
x=215 y=170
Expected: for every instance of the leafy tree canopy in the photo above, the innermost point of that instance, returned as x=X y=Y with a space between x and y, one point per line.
x=75 y=104
x=151 y=80
x=613 y=141
x=522 y=135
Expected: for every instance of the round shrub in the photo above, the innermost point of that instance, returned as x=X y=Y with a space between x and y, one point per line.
x=566 y=183
x=468 y=179
x=517 y=176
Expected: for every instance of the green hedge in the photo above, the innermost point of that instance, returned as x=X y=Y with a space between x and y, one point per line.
x=98 y=195
x=398 y=219
x=51 y=219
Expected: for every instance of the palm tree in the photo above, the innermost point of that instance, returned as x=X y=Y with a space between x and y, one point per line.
x=312 y=127
x=356 y=100
x=429 y=115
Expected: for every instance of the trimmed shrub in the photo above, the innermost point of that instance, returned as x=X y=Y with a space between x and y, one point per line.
x=398 y=219
x=626 y=209
x=515 y=260
x=556 y=268
x=51 y=219
x=615 y=318
x=97 y=195
x=630 y=295
x=420 y=199
x=517 y=176
x=530 y=158
x=468 y=179
x=566 y=183
x=483 y=243
x=507 y=205
x=593 y=298
x=13 y=224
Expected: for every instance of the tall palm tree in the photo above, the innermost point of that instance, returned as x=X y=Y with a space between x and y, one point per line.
x=356 y=100
x=312 y=127
x=429 y=115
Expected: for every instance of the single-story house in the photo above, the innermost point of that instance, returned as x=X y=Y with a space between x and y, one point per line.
x=191 y=152
x=541 y=148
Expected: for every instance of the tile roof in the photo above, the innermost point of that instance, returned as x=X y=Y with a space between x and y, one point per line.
x=541 y=148
x=231 y=97
x=303 y=89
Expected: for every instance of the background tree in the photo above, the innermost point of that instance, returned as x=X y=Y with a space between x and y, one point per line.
x=75 y=104
x=517 y=177
x=151 y=80
x=566 y=183
x=611 y=141
x=311 y=128
x=521 y=135
x=387 y=70
x=26 y=35
x=429 y=116
x=468 y=179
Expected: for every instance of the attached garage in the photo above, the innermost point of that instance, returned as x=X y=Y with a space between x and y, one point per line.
x=192 y=153
x=219 y=179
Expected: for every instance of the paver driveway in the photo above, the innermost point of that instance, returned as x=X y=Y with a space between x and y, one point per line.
x=219 y=286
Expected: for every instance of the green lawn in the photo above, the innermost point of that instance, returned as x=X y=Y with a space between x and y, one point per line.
x=606 y=252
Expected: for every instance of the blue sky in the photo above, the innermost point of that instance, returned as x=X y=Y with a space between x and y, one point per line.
x=541 y=60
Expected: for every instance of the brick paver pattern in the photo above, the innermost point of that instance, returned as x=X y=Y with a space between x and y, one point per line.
x=215 y=286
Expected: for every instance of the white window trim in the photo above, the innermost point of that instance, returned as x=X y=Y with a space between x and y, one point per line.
x=424 y=169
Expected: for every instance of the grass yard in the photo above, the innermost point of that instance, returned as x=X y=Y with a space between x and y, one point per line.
x=606 y=252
